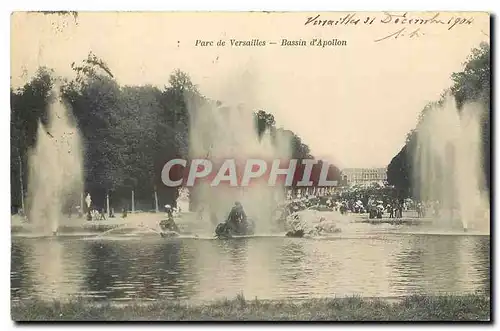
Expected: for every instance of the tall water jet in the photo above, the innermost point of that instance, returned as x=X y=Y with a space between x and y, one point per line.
x=448 y=166
x=218 y=132
x=55 y=168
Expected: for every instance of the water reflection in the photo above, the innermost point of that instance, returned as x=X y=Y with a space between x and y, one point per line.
x=166 y=270
x=18 y=275
x=136 y=270
x=482 y=258
x=407 y=269
x=261 y=273
x=43 y=266
x=101 y=266
x=221 y=267
x=268 y=268
x=292 y=258
x=441 y=265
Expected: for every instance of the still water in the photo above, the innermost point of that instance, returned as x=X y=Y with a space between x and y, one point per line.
x=198 y=270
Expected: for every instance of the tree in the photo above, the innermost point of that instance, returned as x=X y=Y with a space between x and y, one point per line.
x=264 y=121
x=172 y=125
x=470 y=85
x=28 y=107
x=92 y=67
x=128 y=132
x=473 y=83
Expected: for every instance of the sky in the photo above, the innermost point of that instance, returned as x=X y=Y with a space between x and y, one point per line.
x=353 y=104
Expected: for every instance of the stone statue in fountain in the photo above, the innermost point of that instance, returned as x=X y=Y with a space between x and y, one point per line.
x=88 y=201
x=168 y=226
x=183 y=200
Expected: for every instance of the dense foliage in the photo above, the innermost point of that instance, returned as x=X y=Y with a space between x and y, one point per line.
x=128 y=132
x=470 y=85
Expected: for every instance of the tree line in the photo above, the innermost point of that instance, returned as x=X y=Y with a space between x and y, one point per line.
x=128 y=132
x=472 y=84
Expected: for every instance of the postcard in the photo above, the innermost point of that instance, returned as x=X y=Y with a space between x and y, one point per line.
x=250 y=166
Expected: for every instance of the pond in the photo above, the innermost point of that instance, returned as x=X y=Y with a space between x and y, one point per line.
x=372 y=262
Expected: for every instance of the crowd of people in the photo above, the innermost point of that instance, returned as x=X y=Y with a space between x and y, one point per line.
x=376 y=208
x=377 y=203
x=428 y=208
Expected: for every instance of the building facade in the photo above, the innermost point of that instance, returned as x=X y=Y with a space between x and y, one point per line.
x=355 y=176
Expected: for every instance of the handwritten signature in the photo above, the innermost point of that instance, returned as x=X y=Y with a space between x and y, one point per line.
x=403 y=33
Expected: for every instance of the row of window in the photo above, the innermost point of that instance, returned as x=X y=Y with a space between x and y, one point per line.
x=362 y=171
x=368 y=176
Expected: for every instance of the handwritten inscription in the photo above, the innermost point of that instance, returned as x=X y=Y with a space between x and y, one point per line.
x=436 y=19
x=410 y=25
x=403 y=33
x=391 y=18
x=346 y=20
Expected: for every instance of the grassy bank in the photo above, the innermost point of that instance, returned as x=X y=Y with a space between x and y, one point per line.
x=413 y=308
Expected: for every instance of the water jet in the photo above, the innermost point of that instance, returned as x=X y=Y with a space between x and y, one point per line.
x=448 y=171
x=219 y=132
x=55 y=178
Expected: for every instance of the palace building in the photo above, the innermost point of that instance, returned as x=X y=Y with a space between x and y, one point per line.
x=355 y=176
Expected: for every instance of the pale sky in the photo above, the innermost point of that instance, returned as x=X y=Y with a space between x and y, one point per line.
x=352 y=104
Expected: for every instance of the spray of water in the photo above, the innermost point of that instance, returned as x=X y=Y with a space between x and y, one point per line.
x=448 y=166
x=223 y=131
x=55 y=168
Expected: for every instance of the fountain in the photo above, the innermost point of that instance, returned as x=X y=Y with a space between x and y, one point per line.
x=218 y=132
x=55 y=168
x=448 y=169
